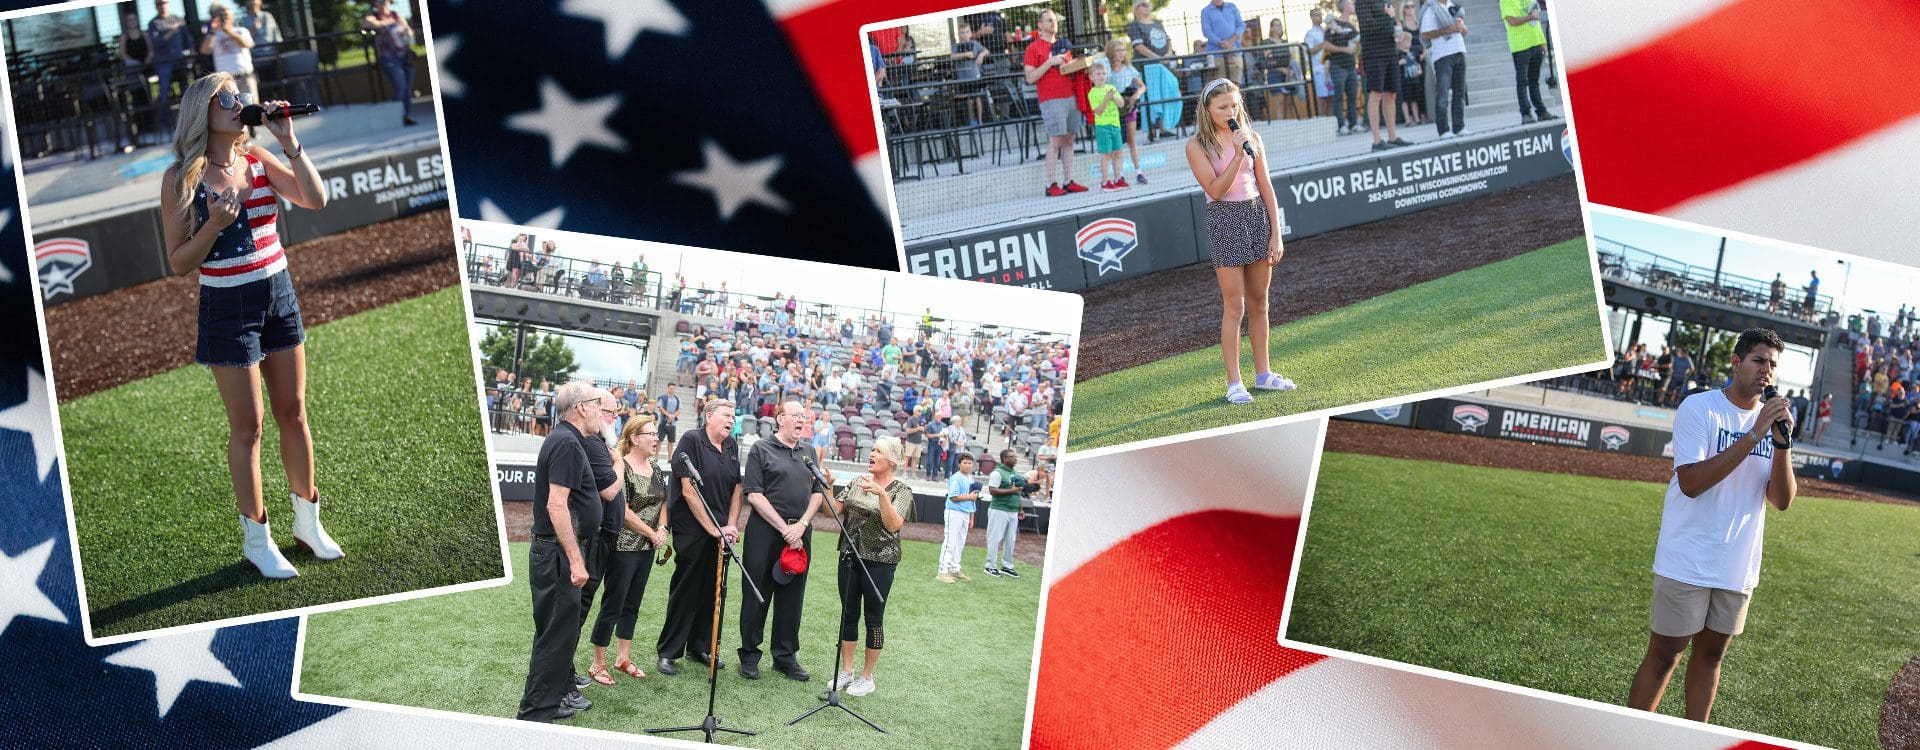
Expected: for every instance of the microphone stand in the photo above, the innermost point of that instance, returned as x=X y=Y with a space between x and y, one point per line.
x=724 y=553
x=832 y=698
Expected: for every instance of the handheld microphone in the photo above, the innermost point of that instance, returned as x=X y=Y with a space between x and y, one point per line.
x=1234 y=125
x=254 y=114
x=1779 y=425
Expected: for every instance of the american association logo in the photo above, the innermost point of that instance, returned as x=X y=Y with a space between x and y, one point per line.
x=1614 y=436
x=1566 y=145
x=1105 y=243
x=61 y=260
x=1470 y=416
x=1388 y=412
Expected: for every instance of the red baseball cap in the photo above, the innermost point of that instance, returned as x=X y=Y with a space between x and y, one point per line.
x=793 y=562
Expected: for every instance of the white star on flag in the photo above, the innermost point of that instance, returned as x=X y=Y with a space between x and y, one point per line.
x=34 y=417
x=625 y=19
x=20 y=594
x=443 y=48
x=489 y=211
x=734 y=183
x=176 y=661
x=567 y=123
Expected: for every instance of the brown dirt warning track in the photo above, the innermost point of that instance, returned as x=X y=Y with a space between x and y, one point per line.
x=110 y=339
x=1152 y=317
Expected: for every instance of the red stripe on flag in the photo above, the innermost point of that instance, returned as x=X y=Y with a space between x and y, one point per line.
x=827 y=40
x=1735 y=95
x=260 y=221
x=265 y=241
x=237 y=270
x=1161 y=633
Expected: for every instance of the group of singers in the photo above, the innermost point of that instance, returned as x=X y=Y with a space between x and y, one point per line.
x=604 y=513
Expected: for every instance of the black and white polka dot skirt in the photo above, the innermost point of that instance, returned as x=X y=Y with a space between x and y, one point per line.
x=1238 y=232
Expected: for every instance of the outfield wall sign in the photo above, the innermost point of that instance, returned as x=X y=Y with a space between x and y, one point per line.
x=85 y=258
x=1110 y=243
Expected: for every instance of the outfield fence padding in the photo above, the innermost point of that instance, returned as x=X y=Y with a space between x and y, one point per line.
x=1135 y=238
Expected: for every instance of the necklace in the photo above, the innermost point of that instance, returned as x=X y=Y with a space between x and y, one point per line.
x=227 y=168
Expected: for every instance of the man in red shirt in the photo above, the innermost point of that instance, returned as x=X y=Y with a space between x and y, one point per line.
x=1059 y=118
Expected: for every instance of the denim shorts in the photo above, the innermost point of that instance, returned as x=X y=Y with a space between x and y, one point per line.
x=239 y=326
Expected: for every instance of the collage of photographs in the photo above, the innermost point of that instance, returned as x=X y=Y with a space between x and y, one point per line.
x=1043 y=374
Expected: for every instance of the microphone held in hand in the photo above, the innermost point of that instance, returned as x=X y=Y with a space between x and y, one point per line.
x=1779 y=425
x=1234 y=125
x=254 y=114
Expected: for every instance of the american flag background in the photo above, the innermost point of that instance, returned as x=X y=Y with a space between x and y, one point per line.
x=747 y=126
x=1786 y=121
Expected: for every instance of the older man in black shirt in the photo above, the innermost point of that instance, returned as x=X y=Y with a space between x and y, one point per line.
x=556 y=562
x=780 y=487
x=612 y=511
x=697 y=525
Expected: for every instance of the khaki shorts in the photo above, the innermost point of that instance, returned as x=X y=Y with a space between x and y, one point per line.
x=913 y=450
x=1683 y=609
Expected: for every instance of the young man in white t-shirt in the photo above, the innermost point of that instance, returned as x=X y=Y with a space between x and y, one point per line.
x=1729 y=464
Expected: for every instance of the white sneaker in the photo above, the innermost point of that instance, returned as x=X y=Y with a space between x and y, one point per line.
x=308 y=532
x=259 y=550
x=846 y=680
x=860 y=686
x=1464 y=132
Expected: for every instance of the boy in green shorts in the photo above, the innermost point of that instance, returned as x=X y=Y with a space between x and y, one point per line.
x=1104 y=101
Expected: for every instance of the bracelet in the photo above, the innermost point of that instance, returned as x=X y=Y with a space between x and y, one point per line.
x=294 y=154
x=1780 y=445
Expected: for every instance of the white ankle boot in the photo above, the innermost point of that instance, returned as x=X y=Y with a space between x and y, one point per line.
x=308 y=532
x=260 y=551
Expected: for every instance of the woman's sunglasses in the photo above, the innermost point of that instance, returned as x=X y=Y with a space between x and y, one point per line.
x=230 y=101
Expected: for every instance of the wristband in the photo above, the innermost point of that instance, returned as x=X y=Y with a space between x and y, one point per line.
x=295 y=154
x=1780 y=445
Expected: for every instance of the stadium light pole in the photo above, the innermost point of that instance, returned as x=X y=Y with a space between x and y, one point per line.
x=1846 y=278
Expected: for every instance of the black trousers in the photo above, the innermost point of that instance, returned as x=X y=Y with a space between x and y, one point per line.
x=556 y=631
x=597 y=557
x=760 y=549
x=626 y=582
x=856 y=595
x=689 y=622
x=1526 y=78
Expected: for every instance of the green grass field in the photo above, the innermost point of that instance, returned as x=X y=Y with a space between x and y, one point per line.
x=954 y=672
x=399 y=455
x=1545 y=581
x=1526 y=314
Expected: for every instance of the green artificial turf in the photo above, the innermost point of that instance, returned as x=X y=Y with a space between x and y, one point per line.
x=400 y=460
x=1522 y=315
x=954 y=672
x=1545 y=580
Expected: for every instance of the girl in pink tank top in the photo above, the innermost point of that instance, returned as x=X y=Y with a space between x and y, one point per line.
x=1243 y=235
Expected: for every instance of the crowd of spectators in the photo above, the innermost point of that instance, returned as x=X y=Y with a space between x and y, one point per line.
x=1319 y=71
x=1886 y=379
x=943 y=394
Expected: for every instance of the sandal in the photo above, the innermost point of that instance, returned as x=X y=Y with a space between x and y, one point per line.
x=1237 y=393
x=599 y=674
x=632 y=669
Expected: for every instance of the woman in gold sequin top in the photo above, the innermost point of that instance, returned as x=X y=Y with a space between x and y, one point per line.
x=644 y=530
x=876 y=506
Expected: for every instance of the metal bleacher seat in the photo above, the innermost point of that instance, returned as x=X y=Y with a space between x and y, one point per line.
x=846 y=447
x=766 y=427
x=862 y=431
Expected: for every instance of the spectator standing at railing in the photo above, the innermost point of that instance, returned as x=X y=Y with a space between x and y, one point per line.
x=1823 y=416
x=878 y=64
x=1315 y=41
x=170 y=39
x=1125 y=79
x=1529 y=46
x=1777 y=293
x=1104 y=101
x=1800 y=404
x=1380 y=58
x=1445 y=31
x=1682 y=373
x=393 y=51
x=967 y=56
x=1220 y=23
x=266 y=33
x=1059 y=117
x=543 y=267
x=1813 y=292
x=1275 y=66
x=669 y=405
x=1150 y=44
x=231 y=47
x=1413 y=58
x=1341 y=35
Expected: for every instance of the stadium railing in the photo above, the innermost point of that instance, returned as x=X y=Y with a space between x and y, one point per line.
x=567 y=277
x=1622 y=261
x=87 y=102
